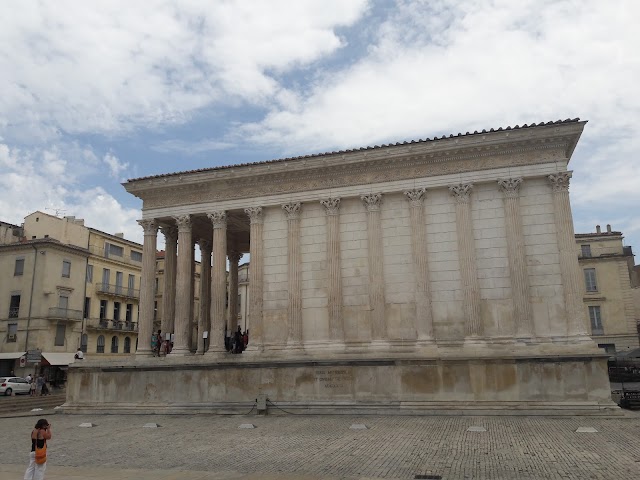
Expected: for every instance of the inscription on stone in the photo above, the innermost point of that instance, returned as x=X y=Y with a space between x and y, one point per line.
x=334 y=378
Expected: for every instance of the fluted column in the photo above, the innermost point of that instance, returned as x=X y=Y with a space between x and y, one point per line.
x=334 y=272
x=294 y=309
x=424 y=314
x=234 y=258
x=205 y=289
x=218 y=280
x=169 y=289
x=184 y=275
x=517 y=263
x=569 y=267
x=255 y=279
x=373 y=202
x=147 y=281
x=467 y=256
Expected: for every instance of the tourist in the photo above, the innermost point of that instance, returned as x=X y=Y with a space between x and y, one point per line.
x=245 y=339
x=238 y=343
x=155 y=342
x=39 y=436
x=33 y=387
x=45 y=388
x=79 y=354
x=28 y=378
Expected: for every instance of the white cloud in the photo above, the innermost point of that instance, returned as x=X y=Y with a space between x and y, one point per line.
x=116 y=167
x=53 y=180
x=110 y=67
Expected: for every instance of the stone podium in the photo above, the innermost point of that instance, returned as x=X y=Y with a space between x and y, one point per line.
x=436 y=275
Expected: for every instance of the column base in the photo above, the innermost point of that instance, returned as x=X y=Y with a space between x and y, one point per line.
x=180 y=352
x=144 y=353
x=475 y=341
x=252 y=348
x=379 y=345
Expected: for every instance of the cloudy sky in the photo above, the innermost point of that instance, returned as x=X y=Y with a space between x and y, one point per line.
x=93 y=93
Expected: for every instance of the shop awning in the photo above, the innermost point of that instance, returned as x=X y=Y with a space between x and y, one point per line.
x=11 y=355
x=56 y=358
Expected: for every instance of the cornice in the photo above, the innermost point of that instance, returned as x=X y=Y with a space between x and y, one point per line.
x=43 y=244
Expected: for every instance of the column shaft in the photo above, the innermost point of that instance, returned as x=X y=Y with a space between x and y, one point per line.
x=184 y=274
x=334 y=272
x=294 y=309
x=218 y=281
x=255 y=279
x=205 y=289
x=169 y=289
x=569 y=267
x=147 y=282
x=424 y=314
x=467 y=257
x=517 y=264
x=376 y=273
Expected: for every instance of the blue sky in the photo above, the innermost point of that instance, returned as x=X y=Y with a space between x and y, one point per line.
x=97 y=92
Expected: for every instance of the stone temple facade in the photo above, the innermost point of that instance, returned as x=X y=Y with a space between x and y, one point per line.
x=437 y=274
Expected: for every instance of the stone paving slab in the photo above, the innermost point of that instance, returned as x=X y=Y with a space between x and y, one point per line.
x=324 y=447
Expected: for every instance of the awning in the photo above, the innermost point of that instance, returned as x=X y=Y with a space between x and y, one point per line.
x=58 y=358
x=11 y=355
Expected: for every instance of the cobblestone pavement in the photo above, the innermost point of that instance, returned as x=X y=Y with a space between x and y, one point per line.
x=299 y=446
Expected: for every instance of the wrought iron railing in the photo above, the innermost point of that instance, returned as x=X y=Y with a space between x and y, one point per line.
x=118 y=290
x=110 y=324
x=66 y=313
x=13 y=312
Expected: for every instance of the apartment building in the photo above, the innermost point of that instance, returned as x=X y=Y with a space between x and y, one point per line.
x=609 y=289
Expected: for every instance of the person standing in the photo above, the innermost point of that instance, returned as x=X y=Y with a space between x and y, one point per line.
x=39 y=384
x=39 y=436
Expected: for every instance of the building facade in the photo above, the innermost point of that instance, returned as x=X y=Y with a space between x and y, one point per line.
x=433 y=274
x=609 y=282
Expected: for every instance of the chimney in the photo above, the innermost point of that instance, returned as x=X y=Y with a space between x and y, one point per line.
x=608 y=228
x=70 y=218
x=119 y=235
x=598 y=229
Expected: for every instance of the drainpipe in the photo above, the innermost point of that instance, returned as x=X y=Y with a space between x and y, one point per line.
x=33 y=281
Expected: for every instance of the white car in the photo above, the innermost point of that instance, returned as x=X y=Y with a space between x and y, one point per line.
x=16 y=385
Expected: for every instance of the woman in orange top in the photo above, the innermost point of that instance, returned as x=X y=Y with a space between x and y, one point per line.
x=39 y=436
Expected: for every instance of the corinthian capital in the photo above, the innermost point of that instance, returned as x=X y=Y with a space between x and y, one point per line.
x=461 y=192
x=331 y=205
x=372 y=201
x=292 y=210
x=150 y=227
x=510 y=186
x=416 y=196
x=254 y=214
x=170 y=233
x=205 y=246
x=560 y=181
x=184 y=223
x=218 y=218
x=234 y=257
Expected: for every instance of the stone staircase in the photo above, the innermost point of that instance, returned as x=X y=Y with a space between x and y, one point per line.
x=25 y=403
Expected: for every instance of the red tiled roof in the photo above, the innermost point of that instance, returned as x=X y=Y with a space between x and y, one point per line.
x=315 y=155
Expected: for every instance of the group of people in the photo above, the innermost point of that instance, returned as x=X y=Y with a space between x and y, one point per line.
x=38 y=385
x=160 y=345
x=237 y=342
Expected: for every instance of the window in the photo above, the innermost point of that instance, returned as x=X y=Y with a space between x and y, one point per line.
x=89 y=273
x=84 y=340
x=12 y=332
x=100 y=348
x=590 y=279
x=106 y=278
x=129 y=313
x=156 y=286
x=61 y=330
x=111 y=250
x=127 y=345
x=136 y=256
x=239 y=301
x=103 y=309
x=116 y=310
x=14 y=306
x=131 y=285
x=18 y=270
x=585 y=250
x=66 y=268
x=119 y=277
x=63 y=302
x=596 y=320
x=155 y=311
x=87 y=307
x=609 y=348
x=114 y=344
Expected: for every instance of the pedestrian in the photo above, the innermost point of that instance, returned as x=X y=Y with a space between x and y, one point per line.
x=33 y=387
x=79 y=354
x=45 y=389
x=28 y=378
x=38 y=455
x=154 y=344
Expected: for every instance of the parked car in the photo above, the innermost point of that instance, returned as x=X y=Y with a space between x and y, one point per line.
x=16 y=385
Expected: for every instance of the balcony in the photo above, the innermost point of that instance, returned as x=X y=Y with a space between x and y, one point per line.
x=13 y=312
x=109 y=324
x=117 y=291
x=58 y=313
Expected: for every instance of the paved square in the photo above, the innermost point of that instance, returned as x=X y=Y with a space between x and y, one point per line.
x=299 y=446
